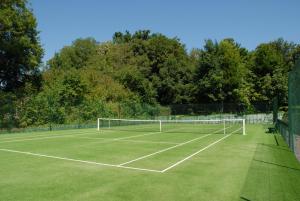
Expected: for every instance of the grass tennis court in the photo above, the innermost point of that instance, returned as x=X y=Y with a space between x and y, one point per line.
x=87 y=164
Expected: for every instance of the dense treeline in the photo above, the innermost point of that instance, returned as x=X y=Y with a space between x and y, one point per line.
x=131 y=75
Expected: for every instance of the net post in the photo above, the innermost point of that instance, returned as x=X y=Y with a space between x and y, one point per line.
x=224 y=126
x=159 y=125
x=98 y=124
x=109 y=124
x=244 y=127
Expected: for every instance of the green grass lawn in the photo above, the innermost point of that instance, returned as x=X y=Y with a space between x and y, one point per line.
x=86 y=164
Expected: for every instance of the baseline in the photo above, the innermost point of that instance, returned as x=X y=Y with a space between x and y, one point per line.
x=81 y=161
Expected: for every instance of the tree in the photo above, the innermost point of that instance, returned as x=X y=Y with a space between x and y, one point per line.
x=20 y=49
x=75 y=56
x=164 y=70
x=167 y=67
x=270 y=65
x=221 y=73
x=133 y=79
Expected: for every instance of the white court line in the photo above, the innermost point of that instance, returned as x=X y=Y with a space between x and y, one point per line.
x=119 y=139
x=81 y=161
x=169 y=148
x=190 y=156
x=70 y=135
x=154 y=142
x=141 y=141
x=29 y=135
x=117 y=166
x=163 y=150
x=40 y=138
x=134 y=136
x=124 y=138
x=53 y=134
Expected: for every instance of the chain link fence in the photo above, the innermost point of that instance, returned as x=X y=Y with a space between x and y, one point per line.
x=289 y=126
x=81 y=117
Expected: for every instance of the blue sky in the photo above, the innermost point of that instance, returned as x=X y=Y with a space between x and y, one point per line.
x=249 y=22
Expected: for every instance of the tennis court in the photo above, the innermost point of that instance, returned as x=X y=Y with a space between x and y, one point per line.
x=139 y=162
x=137 y=146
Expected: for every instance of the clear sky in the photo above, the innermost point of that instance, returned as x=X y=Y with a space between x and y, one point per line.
x=249 y=22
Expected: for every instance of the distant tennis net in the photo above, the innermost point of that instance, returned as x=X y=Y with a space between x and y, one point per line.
x=219 y=126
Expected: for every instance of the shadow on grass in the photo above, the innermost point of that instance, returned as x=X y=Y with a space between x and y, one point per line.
x=273 y=174
x=275 y=138
x=283 y=148
x=245 y=199
x=283 y=166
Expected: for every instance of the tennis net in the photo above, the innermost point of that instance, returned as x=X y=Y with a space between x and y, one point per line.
x=221 y=126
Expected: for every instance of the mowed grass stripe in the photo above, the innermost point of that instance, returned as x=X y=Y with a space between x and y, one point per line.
x=108 y=134
x=47 y=135
x=44 y=133
x=42 y=138
x=142 y=141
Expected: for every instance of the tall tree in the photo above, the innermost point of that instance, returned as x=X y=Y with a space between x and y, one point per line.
x=75 y=56
x=20 y=48
x=163 y=64
x=220 y=73
x=271 y=63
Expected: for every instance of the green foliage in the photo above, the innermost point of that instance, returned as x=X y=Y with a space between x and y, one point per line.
x=134 y=80
x=220 y=73
x=270 y=65
x=133 y=75
x=20 y=49
x=161 y=62
x=75 y=56
x=7 y=110
x=42 y=109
